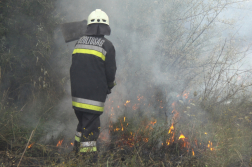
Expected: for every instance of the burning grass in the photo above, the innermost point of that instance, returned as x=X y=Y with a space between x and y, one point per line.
x=221 y=136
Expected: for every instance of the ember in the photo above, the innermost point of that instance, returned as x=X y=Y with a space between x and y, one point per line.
x=153 y=122
x=135 y=106
x=127 y=101
x=30 y=145
x=185 y=94
x=210 y=145
x=139 y=98
x=59 y=143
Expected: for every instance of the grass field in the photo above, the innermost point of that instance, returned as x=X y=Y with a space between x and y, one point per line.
x=191 y=136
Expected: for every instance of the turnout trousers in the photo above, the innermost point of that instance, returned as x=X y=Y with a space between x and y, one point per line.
x=87 y=132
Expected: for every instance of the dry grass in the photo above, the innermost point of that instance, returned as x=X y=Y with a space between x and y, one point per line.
x=221 y=136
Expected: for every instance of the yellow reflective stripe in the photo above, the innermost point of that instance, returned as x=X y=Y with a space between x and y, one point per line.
x=87 y=106
x=88 y=51
x=77 y=138
x=88 y=149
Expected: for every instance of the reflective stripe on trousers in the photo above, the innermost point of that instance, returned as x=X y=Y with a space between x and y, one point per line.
x=88 y=149
x=78 y=136
x=88 y=146
x=88 y=104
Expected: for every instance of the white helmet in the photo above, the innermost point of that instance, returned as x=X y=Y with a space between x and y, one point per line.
x=98 y=16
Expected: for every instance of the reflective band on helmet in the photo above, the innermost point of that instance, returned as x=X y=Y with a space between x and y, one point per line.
x=88 y=144
x=91 y=47
x=77 y=138
x=87 y=101
x=88 y=51
x=88 y=149
x=87 y=106
x=78 y=134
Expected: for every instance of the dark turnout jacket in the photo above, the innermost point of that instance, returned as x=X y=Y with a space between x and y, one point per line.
x=92 y=73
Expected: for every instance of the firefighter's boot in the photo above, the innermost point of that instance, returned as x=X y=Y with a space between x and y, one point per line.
x=76 y=147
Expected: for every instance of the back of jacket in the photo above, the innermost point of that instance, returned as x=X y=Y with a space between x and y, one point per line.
x=92 y=71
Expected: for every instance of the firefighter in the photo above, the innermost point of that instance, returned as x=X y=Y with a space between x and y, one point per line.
x=92 y=76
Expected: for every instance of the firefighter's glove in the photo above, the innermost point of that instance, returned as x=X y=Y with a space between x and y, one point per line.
x=108 y=91
x=111 y=85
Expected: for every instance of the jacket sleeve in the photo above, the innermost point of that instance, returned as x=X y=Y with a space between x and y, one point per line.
x=110 y=67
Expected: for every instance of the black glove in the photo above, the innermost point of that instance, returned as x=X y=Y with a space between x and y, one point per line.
x=111 y=85
x=108 y=91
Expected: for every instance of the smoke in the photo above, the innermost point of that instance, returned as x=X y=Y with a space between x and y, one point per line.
x=160 y=46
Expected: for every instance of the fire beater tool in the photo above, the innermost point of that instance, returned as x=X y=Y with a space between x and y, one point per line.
x=74 y=30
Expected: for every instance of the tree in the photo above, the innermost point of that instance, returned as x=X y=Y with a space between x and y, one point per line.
x=27 y=50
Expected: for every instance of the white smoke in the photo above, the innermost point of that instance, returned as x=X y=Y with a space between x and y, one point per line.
x=140 y=31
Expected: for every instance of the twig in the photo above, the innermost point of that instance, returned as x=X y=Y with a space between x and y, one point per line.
x=22 y=107
x=108 y=162
x=12 y=126
x=26 y=148
x=239 y=155
x=150 y=158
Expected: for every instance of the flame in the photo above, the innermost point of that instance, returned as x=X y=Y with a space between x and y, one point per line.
x=167 y=142
x=161 y=106
x=135 y=106
x=31 y=145
x=145 y=140
x=181 y=137
x=185 y=94
x=104 y=136
x=173 y=105
x=127 y=101
x=124 y=119
x=176 y=114
x=139 y=98
x=116 y=129
x=185 y=142
x=210 y=145
x=192 y=152
x=171 y=129
x=72 y=144
x=205 y=133
x=153 y=122
x=59 y=143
